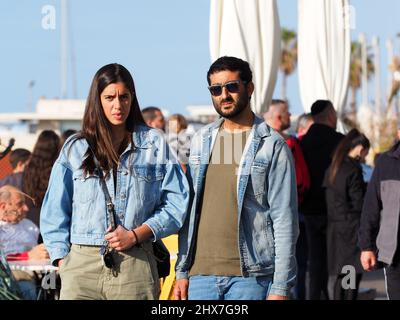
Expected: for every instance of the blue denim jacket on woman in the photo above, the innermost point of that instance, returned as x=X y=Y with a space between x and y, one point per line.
x=150 y=189
x=267 y=206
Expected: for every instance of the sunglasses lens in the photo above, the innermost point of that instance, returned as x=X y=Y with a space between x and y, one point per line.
x=232 y=87
x=215 y=90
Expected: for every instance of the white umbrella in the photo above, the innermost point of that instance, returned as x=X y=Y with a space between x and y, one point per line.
x=249 y=30
x=323 y=51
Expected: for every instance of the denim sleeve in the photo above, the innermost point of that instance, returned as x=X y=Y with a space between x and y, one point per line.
x=184 y=258
x=56 y=211
x=170 y=215
x=282 y=197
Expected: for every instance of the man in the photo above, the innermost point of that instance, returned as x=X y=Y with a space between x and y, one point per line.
x=278 y=118
x=20 y=245
x=379 y=227
x=304 y=122
x=18 y=236
x=318 y=146
x=238 y=241
x=154 y=118
x=18 y=159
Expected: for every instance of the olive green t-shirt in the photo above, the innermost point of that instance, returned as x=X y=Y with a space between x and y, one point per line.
x=217 y=249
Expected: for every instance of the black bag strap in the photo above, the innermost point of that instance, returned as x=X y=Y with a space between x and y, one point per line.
x=109 y=203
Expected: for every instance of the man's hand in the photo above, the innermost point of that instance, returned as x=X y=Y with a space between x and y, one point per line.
x=120 y=239
x=277 y=297
x=181 y=289
x=38 y=252
x=368 y=260
x=60 y=262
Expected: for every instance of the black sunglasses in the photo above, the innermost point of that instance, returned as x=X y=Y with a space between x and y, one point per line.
x=231 y=86
x=109 y=260
x=107 y=257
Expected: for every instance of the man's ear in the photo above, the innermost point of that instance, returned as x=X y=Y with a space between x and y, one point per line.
x=250 y=88
x=2 y=205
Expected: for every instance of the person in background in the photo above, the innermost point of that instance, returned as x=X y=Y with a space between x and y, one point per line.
x=65 y=135
x=379 y=235
x=318 y=145
x=278 y=118
x=154 y=118
x=18 y=160
x=238 y=241
x=115 y=153
x=345 y=190
x=304 y=122
x=37 y=173
x=19 y=236
x=177 y=138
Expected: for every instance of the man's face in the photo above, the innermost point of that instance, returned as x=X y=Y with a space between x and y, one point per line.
x=158 y=122
x=15 y=209
x=285 y=117
x=230 y=104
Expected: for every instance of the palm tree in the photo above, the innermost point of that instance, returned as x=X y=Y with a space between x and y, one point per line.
x=288 y=56
x=356 y=71
x=395 y=68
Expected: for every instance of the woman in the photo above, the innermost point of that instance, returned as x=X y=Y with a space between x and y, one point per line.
x=149 y=192
x=36 y=174
x=345 y=191
x=178 y=140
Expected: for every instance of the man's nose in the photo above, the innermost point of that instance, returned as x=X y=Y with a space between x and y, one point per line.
x=225 y=93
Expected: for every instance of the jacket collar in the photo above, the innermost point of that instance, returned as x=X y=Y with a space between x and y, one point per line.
x=141 y=136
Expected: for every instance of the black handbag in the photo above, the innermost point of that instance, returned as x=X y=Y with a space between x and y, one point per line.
x=161 y=254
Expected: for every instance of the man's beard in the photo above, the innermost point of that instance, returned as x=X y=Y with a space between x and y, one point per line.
x=238 y=107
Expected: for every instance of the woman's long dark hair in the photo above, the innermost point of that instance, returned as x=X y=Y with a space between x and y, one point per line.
x=96 y=129
x=37 y=172
x=350 y=141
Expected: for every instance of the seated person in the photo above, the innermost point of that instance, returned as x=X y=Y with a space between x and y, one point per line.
x=18 y=160
x=18 y=236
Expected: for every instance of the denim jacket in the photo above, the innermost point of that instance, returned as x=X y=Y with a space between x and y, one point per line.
x=267 y=205
x=150 y=189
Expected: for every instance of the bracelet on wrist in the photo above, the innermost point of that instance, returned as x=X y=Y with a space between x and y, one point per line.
x=136 y=237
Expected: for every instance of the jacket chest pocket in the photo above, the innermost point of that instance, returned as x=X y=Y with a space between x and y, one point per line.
x=84 y=186
x=148 y=180
x=258 y=178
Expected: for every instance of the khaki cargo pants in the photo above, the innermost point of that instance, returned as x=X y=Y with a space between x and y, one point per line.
x=84 y=277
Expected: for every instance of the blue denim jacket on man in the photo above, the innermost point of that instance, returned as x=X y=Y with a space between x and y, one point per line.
x=151 y=189
x=267 y=205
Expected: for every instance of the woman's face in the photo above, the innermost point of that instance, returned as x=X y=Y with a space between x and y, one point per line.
x=173 y=125
x=116 y=101
x=359 y=152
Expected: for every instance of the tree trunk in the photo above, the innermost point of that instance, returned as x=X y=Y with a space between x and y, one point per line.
x=353 y=102
x=283 y=88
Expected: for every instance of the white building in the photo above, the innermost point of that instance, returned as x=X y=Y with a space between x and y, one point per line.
x=51 y=114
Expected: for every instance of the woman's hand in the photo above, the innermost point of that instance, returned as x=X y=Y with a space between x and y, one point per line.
x=120 y=239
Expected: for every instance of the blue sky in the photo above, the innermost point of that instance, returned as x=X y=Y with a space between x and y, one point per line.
x=163 y=43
